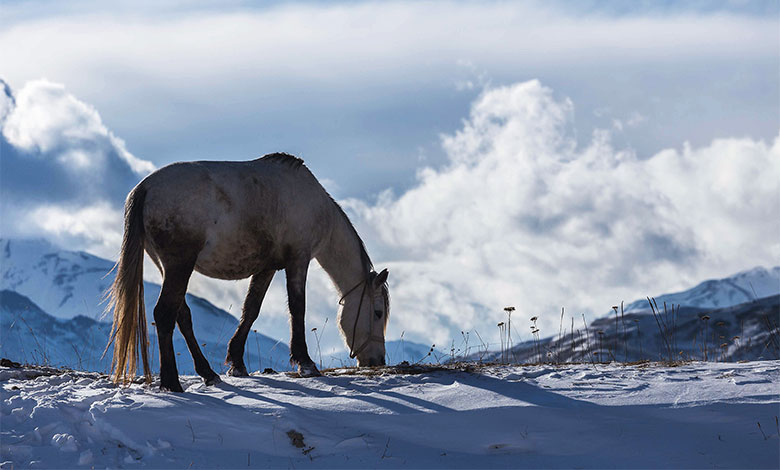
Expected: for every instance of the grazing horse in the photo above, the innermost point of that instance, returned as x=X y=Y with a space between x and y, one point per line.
x=233 y=220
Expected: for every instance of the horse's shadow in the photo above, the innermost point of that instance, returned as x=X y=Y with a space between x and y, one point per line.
x=526 y=394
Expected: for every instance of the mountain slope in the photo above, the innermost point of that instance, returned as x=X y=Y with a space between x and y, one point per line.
x=749 y=331
x=67 y=285
x=63 y=283
x=743 y=324
x=44 y=285
x=31 y=335
x=719 y=293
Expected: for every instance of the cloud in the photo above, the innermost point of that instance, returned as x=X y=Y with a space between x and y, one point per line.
x=357 y=87
x=64 y=174
x=520 y=215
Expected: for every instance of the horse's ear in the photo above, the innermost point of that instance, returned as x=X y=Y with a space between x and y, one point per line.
x=381 y=278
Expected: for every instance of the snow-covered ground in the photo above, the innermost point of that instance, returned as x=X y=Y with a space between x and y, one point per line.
x=699 y=415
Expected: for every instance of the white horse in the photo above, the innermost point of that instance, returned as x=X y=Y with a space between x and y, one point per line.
x=233 y=220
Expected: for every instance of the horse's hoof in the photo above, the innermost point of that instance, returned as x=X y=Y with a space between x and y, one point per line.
x=308 y=370
x=172 y=387
x=213 y=380
x=237 y=371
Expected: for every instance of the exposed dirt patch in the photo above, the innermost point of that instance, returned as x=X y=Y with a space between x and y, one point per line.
x=296 y=439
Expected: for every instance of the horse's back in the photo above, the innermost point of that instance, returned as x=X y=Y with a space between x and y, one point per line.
x=237 y=218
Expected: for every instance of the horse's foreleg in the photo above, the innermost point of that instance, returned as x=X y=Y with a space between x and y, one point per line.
x=258 y=286
x=202 y=367
x=296 y=295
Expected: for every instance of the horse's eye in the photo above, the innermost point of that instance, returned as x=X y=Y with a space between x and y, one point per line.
x=378 y=313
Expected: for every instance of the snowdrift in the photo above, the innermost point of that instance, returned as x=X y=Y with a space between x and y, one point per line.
x=586 y=416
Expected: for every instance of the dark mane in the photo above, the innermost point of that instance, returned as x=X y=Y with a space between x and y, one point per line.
x=367 y=264
x=285 y=159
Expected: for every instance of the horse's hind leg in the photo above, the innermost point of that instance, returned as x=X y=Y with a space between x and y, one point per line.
x=296 y=296
x=258 y=286
x=166 y=312
x=202 y=367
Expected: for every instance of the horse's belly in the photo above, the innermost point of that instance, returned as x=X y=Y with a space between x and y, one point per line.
x=236 y=260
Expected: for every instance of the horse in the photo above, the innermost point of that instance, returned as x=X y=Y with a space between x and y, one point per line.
x=234 y=220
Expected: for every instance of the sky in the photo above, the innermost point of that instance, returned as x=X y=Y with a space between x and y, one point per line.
x=534 y=154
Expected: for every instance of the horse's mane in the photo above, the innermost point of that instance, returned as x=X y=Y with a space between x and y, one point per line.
x=284 y=158
x=367 y=264
x=295 y=163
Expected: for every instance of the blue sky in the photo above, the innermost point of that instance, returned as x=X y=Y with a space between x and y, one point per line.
x=393 y=105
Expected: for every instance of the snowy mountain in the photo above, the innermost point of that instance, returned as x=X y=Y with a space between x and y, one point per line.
x=719 y=293
x=51 y=306
x=31 y=335
x=749 y=331
x=62 y=283
x=731 y=319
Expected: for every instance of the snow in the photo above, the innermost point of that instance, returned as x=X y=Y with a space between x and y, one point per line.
x=695 y=415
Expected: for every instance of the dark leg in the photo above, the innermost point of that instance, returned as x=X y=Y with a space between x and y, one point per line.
x=258 y=286
x=296 y=296
x=202 y=367
x=165 y=314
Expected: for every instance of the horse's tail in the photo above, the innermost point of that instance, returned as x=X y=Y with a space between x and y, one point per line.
x=126 y=297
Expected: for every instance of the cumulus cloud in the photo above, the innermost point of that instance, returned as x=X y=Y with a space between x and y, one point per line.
x=520 y=215
x=64 y=174
x=357 y=87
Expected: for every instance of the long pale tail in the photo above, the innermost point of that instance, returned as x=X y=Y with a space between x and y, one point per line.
x=126 y=297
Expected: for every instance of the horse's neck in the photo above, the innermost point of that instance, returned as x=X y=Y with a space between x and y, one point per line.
x=341 y=258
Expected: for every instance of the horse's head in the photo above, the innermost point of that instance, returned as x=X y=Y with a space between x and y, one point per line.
x=363 y=319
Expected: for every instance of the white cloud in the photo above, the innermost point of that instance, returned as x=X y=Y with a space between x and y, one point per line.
x=97 y=227
x=65 y=175
x=521 y=216
x=48 y=120
x=351 y=45
x=341 y=82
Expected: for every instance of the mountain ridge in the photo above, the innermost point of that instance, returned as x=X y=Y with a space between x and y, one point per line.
x=744 y=286
x=69 y=286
